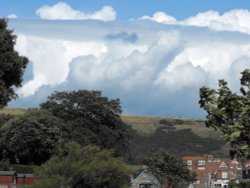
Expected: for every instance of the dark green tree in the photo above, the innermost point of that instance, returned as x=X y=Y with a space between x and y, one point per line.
x=12 y=65
x=31 y=138
x=90 y=118
x=229 y=113
x=170 y=170
x=76 y=167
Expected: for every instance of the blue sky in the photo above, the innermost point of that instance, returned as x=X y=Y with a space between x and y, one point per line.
x=126 y=9
x=153 y=55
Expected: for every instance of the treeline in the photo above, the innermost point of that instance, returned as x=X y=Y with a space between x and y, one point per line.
x=78 y=136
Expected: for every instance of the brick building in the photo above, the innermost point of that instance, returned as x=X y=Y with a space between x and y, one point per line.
x=213 y=172
x=11 y=179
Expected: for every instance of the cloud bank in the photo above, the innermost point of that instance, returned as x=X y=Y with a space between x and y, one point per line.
x=234 y=20
x=154 y=67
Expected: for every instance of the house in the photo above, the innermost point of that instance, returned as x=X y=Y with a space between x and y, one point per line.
x=212 y=172
x=145 y=180
x=246 y=170
x=10 y=179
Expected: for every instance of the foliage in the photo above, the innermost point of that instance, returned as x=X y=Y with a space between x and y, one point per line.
x=28 y=169
x=30 y=138
x=91 y=118
x=11 y=65
x=76 y=167
x=241 y=184
x=229 y=113
x=169 y=139
x=170 y=170
x=4 y=118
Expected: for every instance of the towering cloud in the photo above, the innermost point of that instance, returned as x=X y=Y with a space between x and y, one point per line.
x=154 y=68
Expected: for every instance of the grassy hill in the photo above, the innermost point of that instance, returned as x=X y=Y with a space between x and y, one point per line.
x=178 y=136
x=12 y=111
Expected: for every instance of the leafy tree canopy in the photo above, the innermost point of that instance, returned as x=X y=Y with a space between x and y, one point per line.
x=11 y=65
x=170 y=170
x=30 y=138
x=90 y=117
x=76 y=167
x=229 y=113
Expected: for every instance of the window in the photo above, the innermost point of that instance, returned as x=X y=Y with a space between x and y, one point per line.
x=201 y=167
x=143 y=185
x=224 y=175
x=201 y=162
x=223 y=164
x=189 y=162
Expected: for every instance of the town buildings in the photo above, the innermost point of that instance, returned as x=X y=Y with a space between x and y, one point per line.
x=213 y=172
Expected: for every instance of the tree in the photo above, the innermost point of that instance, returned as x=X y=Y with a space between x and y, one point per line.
x=90 y=118
x=31 y=138
x=76 y=167
x=170 y=170
x=229 y=113
x=12 y=65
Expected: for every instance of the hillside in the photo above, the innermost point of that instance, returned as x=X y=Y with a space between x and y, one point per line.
x=12 y=111
x=173 y=135
x=178 y=136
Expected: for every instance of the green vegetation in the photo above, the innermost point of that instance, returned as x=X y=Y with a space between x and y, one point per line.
x=178 y=136
x=29 y=169
x=12 y=65
x=173 y=135
x=90 y=118
x=30 y=138
x=241 y=184
x=88 y=167
x=170 y=170
x=229 y=112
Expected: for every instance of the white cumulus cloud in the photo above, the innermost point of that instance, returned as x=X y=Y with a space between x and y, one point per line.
x=63 y=11
x=160 y=17
x=234 y=20
x=12 y=16
x=51 y=59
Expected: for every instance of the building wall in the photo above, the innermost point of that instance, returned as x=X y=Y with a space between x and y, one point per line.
x=6 y=181
x=27 y=181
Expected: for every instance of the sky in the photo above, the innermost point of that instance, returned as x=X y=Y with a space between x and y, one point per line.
x=153 y=55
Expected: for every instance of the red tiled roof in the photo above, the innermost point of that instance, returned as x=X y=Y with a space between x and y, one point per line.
x=214 y=167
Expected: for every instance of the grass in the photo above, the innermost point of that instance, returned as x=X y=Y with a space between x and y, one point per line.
x=147 y=125
x=12 y=111
x=142 y=124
